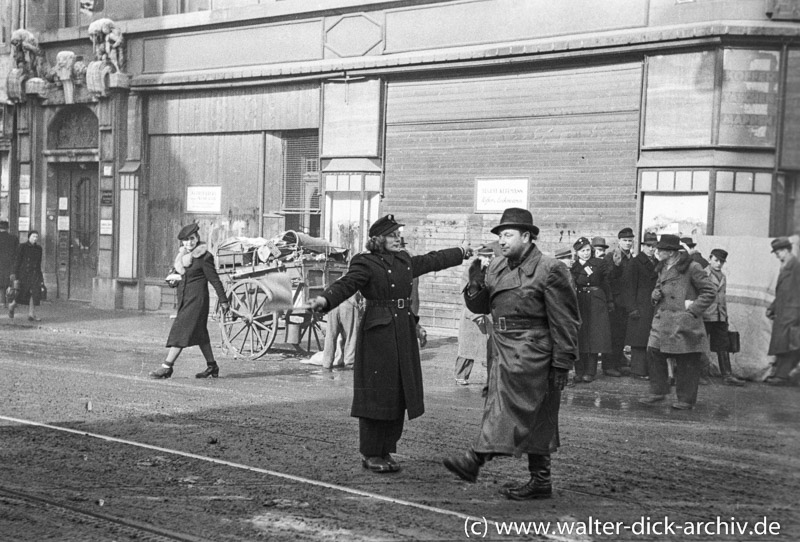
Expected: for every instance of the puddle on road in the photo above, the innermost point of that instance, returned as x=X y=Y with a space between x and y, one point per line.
x=607 y=402
x=610 y=402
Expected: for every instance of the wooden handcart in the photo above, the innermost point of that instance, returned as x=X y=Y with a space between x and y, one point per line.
x=268 y=289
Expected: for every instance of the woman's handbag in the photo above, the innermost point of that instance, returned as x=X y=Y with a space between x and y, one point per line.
x=734 y=343
x=173 y=278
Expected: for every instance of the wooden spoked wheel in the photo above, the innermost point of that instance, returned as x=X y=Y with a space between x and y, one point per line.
x=250 y=327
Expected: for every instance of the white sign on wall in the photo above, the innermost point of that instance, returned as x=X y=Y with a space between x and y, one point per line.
x=204 y=199
x=496 y=195
x=63 y=223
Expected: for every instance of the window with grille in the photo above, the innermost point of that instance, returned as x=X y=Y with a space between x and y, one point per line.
x=300 y=202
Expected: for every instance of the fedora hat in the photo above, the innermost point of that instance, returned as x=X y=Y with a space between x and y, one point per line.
x=781 y=243
x=650 y=238
x=518 y=219
x=688 y=242
x=599 y=242
x=669 y=242
x=187 y=231
x=384 y=226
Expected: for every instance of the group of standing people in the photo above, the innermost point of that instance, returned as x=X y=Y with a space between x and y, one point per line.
x=21 y=277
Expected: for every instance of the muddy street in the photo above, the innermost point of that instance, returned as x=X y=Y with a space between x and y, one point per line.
x=94 y=450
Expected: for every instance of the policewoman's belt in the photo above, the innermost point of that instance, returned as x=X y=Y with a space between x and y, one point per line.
x=513 y=323
x=402 y=303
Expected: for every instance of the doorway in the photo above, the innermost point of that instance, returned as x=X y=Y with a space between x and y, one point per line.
x=77 y=230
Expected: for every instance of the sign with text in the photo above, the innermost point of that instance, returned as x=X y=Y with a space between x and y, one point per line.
x=496 y=195
x=204 y=199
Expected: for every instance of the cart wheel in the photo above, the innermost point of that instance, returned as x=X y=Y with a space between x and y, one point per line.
x=249 y=328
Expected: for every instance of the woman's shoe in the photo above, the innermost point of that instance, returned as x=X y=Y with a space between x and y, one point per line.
x=211 y=370
x=161 y=372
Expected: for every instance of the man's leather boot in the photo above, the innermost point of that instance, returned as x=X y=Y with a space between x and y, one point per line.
x=725 y=368
x=539 y=486
x=466 y=466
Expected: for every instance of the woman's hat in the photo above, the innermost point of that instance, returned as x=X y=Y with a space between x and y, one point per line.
x=721 y=255
x=384 y=226
x=650 y=238
x=669 y=242
x=781 y=243
x=519 y=219
x=187 y=231
x=599 y=242
x=580 y=243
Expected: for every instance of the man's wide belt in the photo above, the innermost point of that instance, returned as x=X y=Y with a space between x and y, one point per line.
x=504 y=324
x=398 y=303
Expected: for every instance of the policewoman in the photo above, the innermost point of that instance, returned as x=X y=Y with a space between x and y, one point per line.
x=387 y=377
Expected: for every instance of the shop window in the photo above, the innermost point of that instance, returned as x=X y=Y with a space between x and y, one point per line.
x=679 y=99
x=300 y=203
x=351 y=204
x=742 y=203
x=675 y=201
x=750 y=94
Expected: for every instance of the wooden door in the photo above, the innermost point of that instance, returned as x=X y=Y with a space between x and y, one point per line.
x=77 y=231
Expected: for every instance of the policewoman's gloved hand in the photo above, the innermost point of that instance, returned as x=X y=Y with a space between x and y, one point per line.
x=560 y=378
x=477 y=276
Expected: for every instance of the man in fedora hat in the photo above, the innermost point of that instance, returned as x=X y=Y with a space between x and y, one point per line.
x=617 y=261
x=599 y=247
x=690 y=245
x=534 y=344
x=8 y=256
x=784 y=312
x=682 y=293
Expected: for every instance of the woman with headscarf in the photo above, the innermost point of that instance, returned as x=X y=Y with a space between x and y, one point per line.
x=194 y=270
x=594 y=302
x=387 y=377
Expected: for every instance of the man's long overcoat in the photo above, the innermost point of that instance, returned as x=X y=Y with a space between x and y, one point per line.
x=786 y=308
x=387 y=377
x=642 y=280
x=521 y=410
x=677 y=329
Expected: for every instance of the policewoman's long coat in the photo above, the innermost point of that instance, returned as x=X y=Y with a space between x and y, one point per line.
x=520 y=414
x=594 y=295
x=642 y=280
x=677 y=329
x=786 y=308
x=387 y=377
x=190 y=327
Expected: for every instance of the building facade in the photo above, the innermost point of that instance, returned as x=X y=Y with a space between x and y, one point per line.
x=255 y=117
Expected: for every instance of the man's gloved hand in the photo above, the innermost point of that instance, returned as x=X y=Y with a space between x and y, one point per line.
x=477 y=276
x=422 y=336
x=635 y=314
x=560 y=377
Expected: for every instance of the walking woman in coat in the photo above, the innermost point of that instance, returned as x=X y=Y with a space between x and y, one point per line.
x=387 y=377
x=682 y=294
x=641 y=276
x=594 y=303
x=28 y=271
x=784 y=312
x=196 y=266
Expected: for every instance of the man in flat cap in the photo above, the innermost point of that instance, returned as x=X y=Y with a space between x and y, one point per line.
x=8 y=256
x=784 y=312
x=387 y=376
x=617 y=262
x=534 y=344
x=716 y=317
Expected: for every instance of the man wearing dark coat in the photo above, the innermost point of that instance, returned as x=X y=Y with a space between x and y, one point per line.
x=534 y=344
x=641 y=280
x=682 y=294
x=387 y=377
x=617 y=261
x=784 y=312
x=8 y=256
